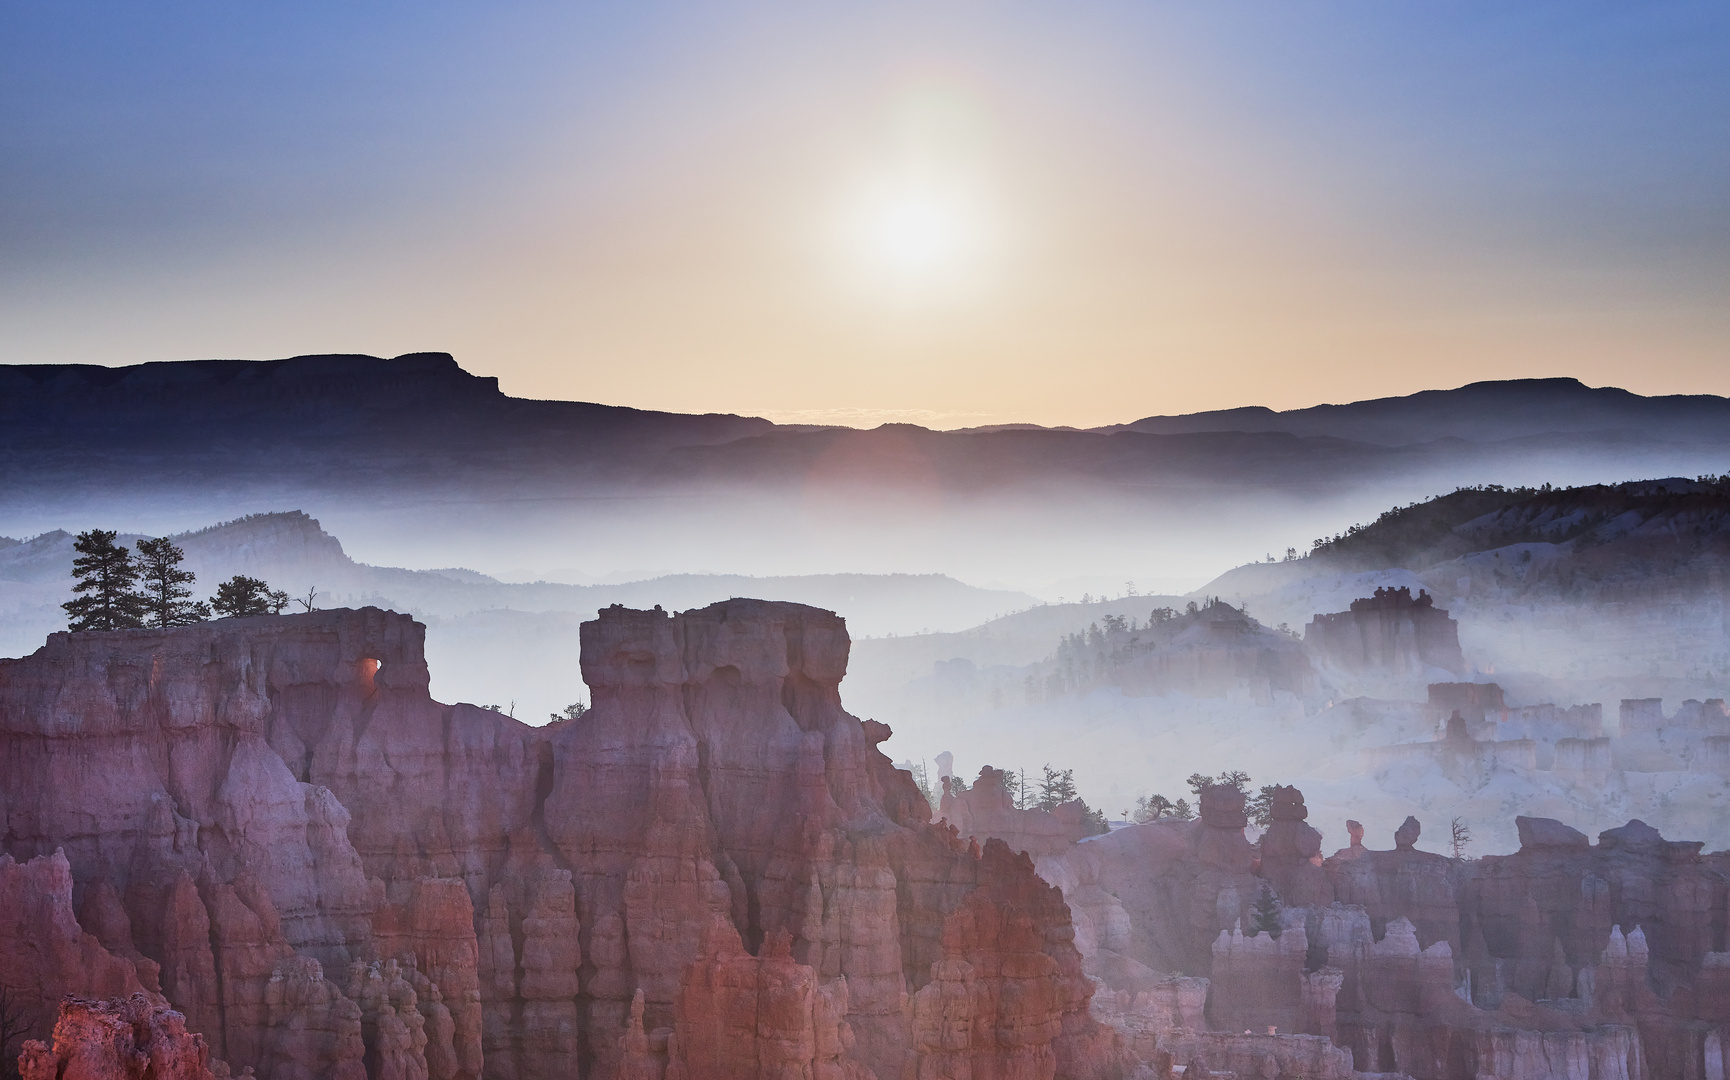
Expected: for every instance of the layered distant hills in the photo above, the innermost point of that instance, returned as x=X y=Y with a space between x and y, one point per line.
x=290 y=550
x=416 y=461
x=421 y=418
x=1480 y=412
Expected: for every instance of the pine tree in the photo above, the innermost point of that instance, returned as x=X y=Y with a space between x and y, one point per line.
x=166 y=598
x=1236 y=778
x=1266 y=916
x=1055 y=788
x=105 y=575
x=241 y=596
x=576 y=710
x=1153 y=807
x=1260 y=808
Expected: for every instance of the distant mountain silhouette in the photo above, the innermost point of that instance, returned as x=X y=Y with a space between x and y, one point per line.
x=292 y=551
x=422 y=419
x=415 y=454
x=1478 y=412
x=419 y=399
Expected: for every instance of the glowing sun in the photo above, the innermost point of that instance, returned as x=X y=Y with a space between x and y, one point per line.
x=917 y=234
x=921 y=239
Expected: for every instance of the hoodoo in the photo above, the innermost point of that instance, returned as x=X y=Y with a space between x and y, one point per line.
x=1391 y=631
x=270 y=827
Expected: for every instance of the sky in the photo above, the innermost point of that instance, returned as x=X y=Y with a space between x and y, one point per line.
x=949 y=212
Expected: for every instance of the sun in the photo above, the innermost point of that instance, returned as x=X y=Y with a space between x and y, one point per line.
x=915 y=234
x=918 y=238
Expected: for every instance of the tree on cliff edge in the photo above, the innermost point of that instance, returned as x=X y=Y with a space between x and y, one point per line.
x=241 y=596
x=105 y=574
x=167 y=601
x=1055 y=788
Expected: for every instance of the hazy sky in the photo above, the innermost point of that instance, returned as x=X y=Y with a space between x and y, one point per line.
x=947 y=212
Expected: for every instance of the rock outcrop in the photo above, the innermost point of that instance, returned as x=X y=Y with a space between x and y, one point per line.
x=330 y=874
x=1567 y=959
x=117 y=1039
x=1390 y=632
x=987 y=809
x=1291 y=852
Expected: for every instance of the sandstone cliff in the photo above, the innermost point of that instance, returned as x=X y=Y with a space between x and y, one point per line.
x=329 y=874
x=121 y=1038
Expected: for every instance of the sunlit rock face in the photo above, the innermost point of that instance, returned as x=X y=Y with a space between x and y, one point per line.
x=718 y=775
x=117 y=1039
x=330 y=874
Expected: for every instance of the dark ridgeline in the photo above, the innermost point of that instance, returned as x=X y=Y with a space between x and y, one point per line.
x=420 y=421
x=1478 y=412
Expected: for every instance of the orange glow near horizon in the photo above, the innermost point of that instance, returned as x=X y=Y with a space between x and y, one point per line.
x=1026 y=218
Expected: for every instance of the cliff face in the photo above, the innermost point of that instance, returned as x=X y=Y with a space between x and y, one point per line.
x=330 y=874
x=257 y=806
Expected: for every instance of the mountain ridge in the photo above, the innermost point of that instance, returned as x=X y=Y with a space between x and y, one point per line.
x=1474 y=410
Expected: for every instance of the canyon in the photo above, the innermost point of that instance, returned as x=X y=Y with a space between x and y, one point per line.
x=260 y=847
x=269 y=827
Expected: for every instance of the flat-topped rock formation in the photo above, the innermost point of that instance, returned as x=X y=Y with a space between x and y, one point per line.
x=1390 y=632
x=272 y=825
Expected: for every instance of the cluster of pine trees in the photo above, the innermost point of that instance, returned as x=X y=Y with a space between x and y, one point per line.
x=121 y=589
x=1046 y=792
x=1088 y=658
x=1258 y=806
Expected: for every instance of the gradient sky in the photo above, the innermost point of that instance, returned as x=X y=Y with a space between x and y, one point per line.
x=943 y=212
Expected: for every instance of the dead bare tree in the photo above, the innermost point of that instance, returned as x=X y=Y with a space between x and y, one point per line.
x=1459 y=837
x=16 y=1024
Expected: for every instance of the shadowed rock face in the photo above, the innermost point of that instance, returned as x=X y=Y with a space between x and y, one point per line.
x=1564 y=959
x=330 y=874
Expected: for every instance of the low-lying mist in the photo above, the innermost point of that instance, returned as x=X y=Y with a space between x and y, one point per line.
x=1016 y=597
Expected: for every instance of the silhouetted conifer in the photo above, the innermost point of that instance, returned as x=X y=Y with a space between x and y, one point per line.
x=1265 y=918
x=241 y=596
x=105 y=574
x=167 y=601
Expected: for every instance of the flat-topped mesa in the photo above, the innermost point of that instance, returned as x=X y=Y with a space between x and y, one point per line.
x=717 y=774
x=323 y=868
x=1390 y=632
